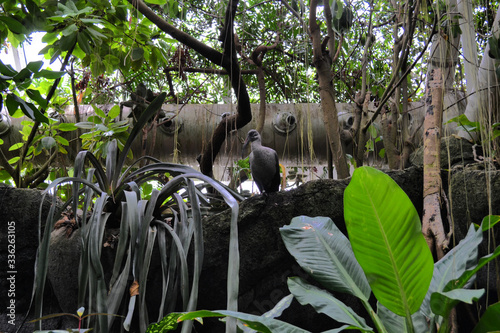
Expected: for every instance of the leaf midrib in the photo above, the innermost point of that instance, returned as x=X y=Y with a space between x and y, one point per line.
x=391 y=255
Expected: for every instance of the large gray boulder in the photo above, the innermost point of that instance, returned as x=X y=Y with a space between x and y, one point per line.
x=19 y=210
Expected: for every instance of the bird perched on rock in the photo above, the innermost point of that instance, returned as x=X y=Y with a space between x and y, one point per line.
x=264 y=164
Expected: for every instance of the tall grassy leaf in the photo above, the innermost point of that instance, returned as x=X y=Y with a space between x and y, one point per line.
x=148 y=252
x=96 y=278
x=182 y=258
x=385 y=233
x=42 y=257
x=85 y=227
x=112 y=153
x=122 y=245
x=162 y=247
x=143 y=119
x=234 y=261
x=117 y=291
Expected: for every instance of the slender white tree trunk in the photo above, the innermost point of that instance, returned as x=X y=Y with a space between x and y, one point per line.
x=444 y=55
x=439 y=82
x=484 y=97
x=469 y=45
x=17 y=58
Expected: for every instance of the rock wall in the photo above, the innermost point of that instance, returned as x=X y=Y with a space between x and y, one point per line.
x=19 y=210
x=265 y=262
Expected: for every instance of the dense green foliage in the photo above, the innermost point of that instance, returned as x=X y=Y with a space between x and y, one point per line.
x=108 y=49
x=111 y=36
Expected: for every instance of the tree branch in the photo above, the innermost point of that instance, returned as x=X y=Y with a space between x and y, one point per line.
x=329 y=29
x=391 y=86
x=228 y=61
x=36 y=124
x=5 y=164
x=207 y=70
x=41 y=173
x=330 y=116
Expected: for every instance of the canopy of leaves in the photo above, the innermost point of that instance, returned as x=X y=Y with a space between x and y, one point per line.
x=118 y=47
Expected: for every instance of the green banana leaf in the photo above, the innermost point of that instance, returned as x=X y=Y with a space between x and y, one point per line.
x=325 y=253
x=324 y=302
x=451 y=267
x=467 y=275
x=443 y=301
x=385 y=233
x=397 y=324
x=276 y=311
x=490 y=321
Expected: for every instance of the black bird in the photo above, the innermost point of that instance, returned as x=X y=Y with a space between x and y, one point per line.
x=264 y=164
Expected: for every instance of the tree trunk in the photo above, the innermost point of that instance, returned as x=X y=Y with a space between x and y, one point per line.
x=330 y=117
x=469 y=44
x=389 y=119
x=432 y=225
x=389 y=122
x=440 y=78
x=483 y=102
x=360 y=135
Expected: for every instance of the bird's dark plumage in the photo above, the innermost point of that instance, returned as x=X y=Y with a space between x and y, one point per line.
x=264 y=164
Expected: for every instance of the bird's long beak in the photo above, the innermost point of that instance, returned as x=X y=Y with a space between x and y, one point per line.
x=244 y=148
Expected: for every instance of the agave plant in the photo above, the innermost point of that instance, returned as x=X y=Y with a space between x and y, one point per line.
x=114 y=193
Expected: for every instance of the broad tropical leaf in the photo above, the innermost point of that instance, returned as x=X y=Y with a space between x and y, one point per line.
x=323 y=251
x=489 y=221
x=275 y=312
x=453 y=265
x=490 y=321
x=385 y=233
x=168 y=323
x=467 y=275
x=443 y=302
x=258 y=323
x=324 y=302
x=396 y=324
